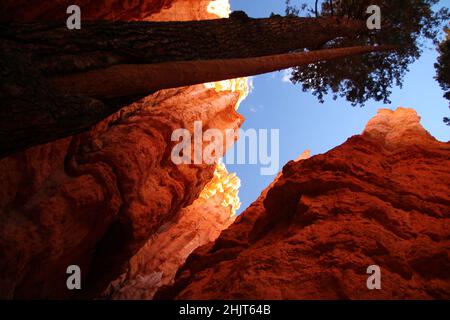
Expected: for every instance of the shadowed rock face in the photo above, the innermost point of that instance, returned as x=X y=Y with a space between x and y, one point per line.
x=156 y=263
x=381 y=198
x=120 y=10
x=50 y=10
x=93 y=200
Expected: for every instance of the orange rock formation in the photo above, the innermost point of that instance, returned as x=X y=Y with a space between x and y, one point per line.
x=381 y=198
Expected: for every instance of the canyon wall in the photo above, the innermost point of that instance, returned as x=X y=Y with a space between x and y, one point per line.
x=38 y=10
x=94 y=200
x=112 y=201
x=130 y=10
x=156 y=263
x=381 y=198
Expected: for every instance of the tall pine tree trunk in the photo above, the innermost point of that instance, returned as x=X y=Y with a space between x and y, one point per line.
x=127 y=80
x=54 y=50
x=58 y=82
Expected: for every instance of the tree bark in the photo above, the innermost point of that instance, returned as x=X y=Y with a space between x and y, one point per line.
x=54 y=114
x=32 y=112
x=124 y=80
x=55 y=50
x=56 y=82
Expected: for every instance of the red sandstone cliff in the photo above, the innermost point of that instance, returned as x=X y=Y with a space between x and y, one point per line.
x=95 y=199
x=130 y=10
x=381 y=198
x=36 y=10
x=158 y=260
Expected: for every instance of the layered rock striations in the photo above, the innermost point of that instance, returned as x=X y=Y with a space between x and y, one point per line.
x=381 y=198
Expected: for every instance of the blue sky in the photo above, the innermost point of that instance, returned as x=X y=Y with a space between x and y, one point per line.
x=304 y=123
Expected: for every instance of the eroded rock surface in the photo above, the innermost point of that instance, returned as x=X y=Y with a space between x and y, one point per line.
x=381 y=198
x=38 y=10
x=93 y=200
x=156 y=263
x=129 y=10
